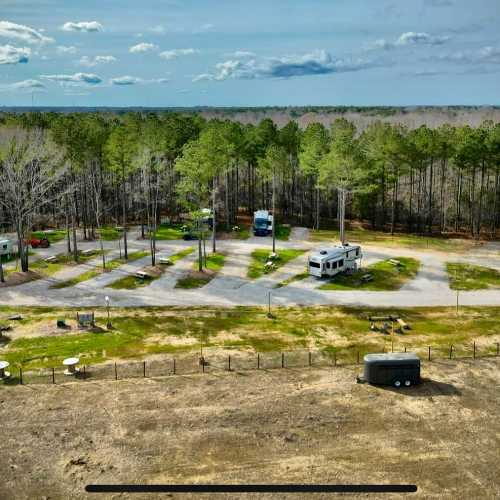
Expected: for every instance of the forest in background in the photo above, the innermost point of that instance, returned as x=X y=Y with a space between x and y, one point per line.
x=86 y=170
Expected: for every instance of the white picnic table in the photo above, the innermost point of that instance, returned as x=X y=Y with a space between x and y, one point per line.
x=71 y=366
x=3 y=366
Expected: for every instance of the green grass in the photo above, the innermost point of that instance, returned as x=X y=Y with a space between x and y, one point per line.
x=169 y=232
x=108 y=233
x=385 y=276
x=92 y=273
x=243 y=232
x=261 y=255
x=413 y=241
x=215 y=262
x=53 y=235
x=131 y=282
x=471 y=277
x=139 y=332
x=283 y=232
x=297 y=277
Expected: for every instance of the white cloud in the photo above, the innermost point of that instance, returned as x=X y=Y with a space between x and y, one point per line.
x=133 y=80
x=28 y=85
x=316 y=63
x=412 y=38
x=61 y=49
x=159 y=29
x=207 y=27
x=142 y=47
x=90 y=62
x=173 y=54
x=241 y=53
x=77 y=78
x=22 y=33
x=488 y=55
x=83 y=26
x=14 y=55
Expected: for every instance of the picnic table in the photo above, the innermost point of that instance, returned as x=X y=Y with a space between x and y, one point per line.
x=366 y=278
x=3 y=366
x=71 y=368
x=52 y=258
x=394 y=262
x=89 y=251
x=165 y=261
x=142 y=274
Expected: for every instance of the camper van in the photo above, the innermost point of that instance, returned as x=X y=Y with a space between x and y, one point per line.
x=335 y=260
x=262 y=223
x=397 y=369
x=5 y=247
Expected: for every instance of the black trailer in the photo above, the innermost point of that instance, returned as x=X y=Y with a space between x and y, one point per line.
x=397 y=369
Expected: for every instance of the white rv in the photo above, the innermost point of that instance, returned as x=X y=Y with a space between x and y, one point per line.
x=5 y=247
x=262 y=223
x=334 y=260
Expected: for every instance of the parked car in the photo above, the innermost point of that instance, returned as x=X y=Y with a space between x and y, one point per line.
x=42 y=242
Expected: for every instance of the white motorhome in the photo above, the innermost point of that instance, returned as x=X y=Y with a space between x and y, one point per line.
x=262 y=223
x=334 y=260
x=5 y=247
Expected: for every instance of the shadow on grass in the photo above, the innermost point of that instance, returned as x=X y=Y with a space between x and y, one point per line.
x=427 y=387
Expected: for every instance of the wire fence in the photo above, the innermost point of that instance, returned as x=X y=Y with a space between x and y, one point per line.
x=235 y=361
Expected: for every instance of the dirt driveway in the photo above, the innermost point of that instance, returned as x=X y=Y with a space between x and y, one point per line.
x=303 y=426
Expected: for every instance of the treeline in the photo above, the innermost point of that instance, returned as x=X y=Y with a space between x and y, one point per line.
x=135 y=167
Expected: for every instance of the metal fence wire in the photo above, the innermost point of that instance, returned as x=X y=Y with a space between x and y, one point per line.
x=235 y=361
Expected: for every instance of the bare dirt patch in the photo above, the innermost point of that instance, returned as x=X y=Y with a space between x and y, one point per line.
x=303 y=426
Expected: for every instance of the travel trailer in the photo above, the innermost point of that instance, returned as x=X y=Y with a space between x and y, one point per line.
x=397 y=369
x=335 y=260
x=5 y=247
x=262 y=223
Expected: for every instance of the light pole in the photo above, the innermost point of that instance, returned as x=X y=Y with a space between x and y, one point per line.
x=109 y=325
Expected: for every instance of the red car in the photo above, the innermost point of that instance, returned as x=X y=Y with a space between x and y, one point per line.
x=42 y=242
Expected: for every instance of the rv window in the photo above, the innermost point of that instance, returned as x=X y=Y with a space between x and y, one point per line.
x=334 y=265
x=341 y=262
x=357 y=251
x=328 y=265
x=314 y=264
x=5 y=247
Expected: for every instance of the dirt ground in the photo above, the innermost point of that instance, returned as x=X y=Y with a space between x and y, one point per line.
x=276 y=426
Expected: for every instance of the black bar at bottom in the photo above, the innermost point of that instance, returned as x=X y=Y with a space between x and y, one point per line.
x=251 y=488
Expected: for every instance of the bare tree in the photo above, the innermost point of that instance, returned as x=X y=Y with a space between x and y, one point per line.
x=30 y=167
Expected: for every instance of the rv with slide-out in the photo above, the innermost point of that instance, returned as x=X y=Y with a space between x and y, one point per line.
x=334 y=260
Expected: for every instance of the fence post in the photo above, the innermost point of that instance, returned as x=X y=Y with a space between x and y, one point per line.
x=392 y=345
x=451 y=351
x=334 y=358
x=174 y=366
x=84 y=372
x=53 y=376
x=405 y=348
x=21 y=376
x=144 y=369
x=282 y=360
x=357 y=357
x=474 y=350
x=498 y=348
x=258 y=361
x=203 y=365
x=310 y=358
x=429 y=353
x=116 y=372
x=229 y=363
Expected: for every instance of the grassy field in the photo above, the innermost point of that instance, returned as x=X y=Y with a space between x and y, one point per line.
x=108 y=233
x=471 y=277
x=257 y=268
x=215 y=262
x=380 y=238
x=53 y=235
x=131 y=282
x=169 y=232
x=141 y=332
x=92 y=273
x=386 y=276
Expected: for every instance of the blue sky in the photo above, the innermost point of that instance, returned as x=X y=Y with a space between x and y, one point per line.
x=249 y=53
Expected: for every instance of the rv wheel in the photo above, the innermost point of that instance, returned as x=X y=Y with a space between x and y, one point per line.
x=397 y=384
x=407 y=383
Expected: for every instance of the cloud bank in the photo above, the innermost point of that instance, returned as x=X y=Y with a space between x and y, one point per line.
x=90 y=62
x=133 y=80
x=175 y=53
x=14 y=55
x=82 y=26
x=77 y=78
x=22 y=33
x=316 y=63
x=142 y=47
